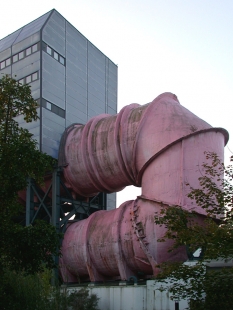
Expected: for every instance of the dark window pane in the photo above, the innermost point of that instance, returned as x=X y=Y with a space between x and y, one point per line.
x=61 y=113
x=55 y=109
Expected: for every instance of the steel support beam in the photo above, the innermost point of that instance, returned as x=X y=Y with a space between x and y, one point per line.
x=29 y=202
x=57 y=209
x=56 y=204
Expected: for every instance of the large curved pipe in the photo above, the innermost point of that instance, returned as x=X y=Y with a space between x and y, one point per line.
x=111 y=152
x=116 y=244
x=159 y=146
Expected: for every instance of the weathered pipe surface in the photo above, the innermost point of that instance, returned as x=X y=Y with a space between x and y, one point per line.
x=111 y=152
x=116 y=244
x=160 y=147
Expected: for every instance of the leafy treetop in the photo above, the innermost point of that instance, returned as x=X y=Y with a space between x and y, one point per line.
x=19 y=154
x=20 y=159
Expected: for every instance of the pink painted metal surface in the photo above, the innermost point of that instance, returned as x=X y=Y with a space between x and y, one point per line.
x=116 y=244
x=111 y=152
x=160 y=147
x=166 y=177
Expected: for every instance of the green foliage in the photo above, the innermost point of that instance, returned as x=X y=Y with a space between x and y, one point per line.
x=21 y=291
x=81 y=300
x=19 y=156
x=205 y=289
x=33 y=292
x=215 y=194
x=213 y=234
x=30 y=247
x=33 y=247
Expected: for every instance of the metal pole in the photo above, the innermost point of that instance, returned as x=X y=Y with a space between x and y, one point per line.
x=56 y=199
x=29 y=202
x=55 y=218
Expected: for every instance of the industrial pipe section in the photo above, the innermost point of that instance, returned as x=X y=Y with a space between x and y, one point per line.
x=159 y=146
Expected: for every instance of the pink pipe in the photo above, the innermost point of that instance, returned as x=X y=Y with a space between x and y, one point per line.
x=159 y=146
x=111 y=152
x=115 y=244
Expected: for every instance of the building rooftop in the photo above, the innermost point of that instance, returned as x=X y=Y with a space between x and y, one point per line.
x=24 y=32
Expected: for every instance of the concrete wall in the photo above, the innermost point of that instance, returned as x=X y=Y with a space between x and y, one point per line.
x=133 y=297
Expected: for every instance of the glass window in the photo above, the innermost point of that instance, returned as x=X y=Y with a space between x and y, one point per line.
x=61 y=113
x=55 y=55
x=21 y=81
x=55 y=109
x=62 y=60
x=49 y=50
x=21 y=55
x=28 y=51
x=28 y=79
x=35 y=76
x=15 y=58
x=34 y=48
x=48 y=105
x=3 y=64
x=8 y=62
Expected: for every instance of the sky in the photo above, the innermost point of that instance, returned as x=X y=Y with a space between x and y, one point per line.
x=179 y=46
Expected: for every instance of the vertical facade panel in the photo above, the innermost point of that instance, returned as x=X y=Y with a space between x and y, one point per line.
x=111 y=90
x=35 y=89
x=5 y=53
x=54 y=33
x=96 y=82
x=6 y=70
x=53 y=81
x=76 y=76
x=52 y=129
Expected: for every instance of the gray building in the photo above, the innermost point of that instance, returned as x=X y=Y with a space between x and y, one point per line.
x=69 y=77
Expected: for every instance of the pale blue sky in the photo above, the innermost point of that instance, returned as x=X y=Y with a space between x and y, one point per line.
x=180 y=46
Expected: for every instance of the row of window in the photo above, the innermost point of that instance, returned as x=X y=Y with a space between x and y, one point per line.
x=53 y=53
x=26 y=52
x=53 y=108
x=5 y=63
x=29 y=78
x=30 y=50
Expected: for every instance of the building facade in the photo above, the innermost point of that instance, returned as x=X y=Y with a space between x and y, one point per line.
x=69 y=77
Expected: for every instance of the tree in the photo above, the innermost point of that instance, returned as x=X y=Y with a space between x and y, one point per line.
x=20 y=159
x=30 y=292
x=212 y=234
x=26 y=252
